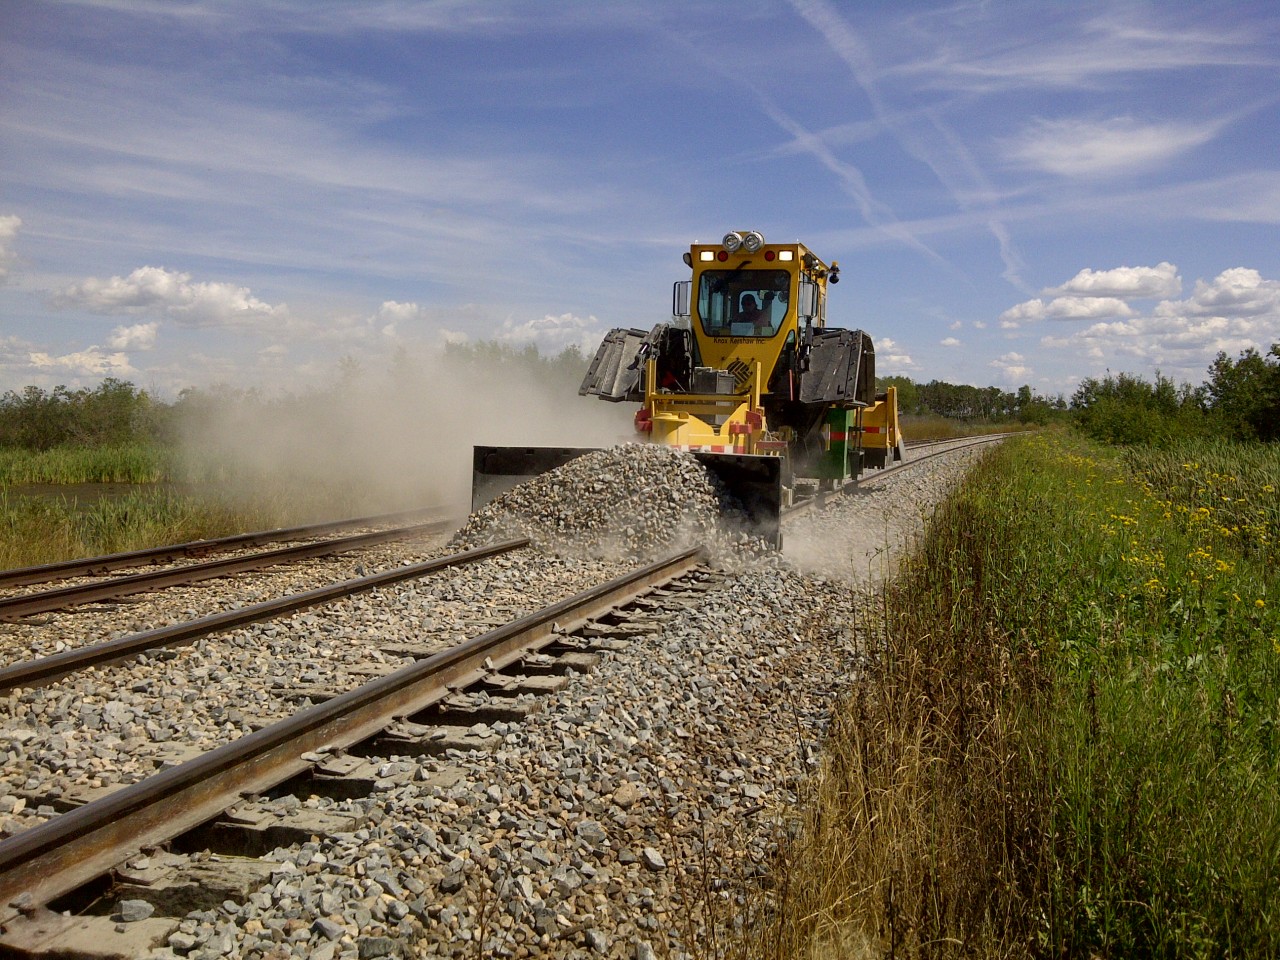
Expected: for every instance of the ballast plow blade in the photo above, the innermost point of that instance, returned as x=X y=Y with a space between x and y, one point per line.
x=495 y=470
x=615 y=370
x=755 y=482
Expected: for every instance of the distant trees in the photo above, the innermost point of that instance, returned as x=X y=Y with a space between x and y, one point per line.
x=964 y=402
x=114 y=412
x=1240 y=401
x=565 y=368
x=1244 y=394
x=117 y=412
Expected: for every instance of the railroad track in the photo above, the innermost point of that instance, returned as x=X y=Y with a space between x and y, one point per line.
x=51 y=861
x=922 y=451
x=45 y=670
x=330 y=757
x=95 y=566
x=26 y=604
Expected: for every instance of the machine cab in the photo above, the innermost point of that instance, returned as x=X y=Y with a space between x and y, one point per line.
x=743 y=303
x=749 y=301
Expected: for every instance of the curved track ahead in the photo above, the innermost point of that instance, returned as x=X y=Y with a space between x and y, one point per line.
x=922 y=451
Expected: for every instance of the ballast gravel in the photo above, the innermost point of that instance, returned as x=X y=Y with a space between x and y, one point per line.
x=632 y=815
x=637 y=500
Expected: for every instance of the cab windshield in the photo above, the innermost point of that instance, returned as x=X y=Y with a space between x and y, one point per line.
x=743 y=303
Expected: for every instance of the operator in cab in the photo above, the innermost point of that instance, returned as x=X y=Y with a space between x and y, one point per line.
x=752 y=314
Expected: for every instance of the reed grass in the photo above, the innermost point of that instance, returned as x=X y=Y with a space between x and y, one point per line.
x=119 y=463
x=1067 y=743
x=37 y=530
x=47 y=529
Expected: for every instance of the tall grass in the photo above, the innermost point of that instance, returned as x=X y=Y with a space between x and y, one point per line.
x=36 y=530
x=177 y=499
x=119 y=463
x=1067 y=745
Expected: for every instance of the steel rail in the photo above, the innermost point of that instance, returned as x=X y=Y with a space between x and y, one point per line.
x=22 y=576
x=56 y=857
x=853 y=486
x=960 y=443
x=12 y=608
x=42 y=672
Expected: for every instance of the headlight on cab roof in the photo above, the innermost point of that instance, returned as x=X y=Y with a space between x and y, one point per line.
x=752 y=242
x=732 y=241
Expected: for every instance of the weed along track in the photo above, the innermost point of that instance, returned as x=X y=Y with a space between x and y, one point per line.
x=430 y=769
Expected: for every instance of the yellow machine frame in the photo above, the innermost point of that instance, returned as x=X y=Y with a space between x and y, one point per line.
x=733 y=423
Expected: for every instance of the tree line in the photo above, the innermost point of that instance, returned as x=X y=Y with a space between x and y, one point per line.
x=1240 y=399
x=118 y=412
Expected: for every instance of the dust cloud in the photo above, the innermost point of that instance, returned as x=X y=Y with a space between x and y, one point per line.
x=401 y=439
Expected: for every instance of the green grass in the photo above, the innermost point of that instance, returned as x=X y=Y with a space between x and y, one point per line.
x=1156 y=622
x=176 y=500
x=1067 y=745
x=37 y=530
x=123 y=463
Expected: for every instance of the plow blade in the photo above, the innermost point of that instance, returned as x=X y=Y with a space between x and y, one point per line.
x=755 y=481
x=617 y=367
x=495 y=470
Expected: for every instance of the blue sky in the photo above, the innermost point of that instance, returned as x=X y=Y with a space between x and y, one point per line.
x=244 y=191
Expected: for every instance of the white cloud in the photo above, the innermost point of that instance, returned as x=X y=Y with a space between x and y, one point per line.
x=1086 y=308
x=1084 y=148
x=1128 y=283
x=950 y=342
x=1097 y=294
x=9 y=225
x=1023 y=312
x=392 y=311
x=1013 y=366
x=1063 y=308
x=1237 y=310
x=90 y=362
x=891 y=357
x=956 y=325
x=963 y=52
x=157 y=291
x=392 y=314
x=140 y=336
x=1240 y=292
x=552 y=334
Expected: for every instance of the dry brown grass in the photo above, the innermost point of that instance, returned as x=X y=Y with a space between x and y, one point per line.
x=933 y=427
x=918 y=838
x=896 y=855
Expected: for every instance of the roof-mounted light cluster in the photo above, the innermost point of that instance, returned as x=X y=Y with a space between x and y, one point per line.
x=751 y=241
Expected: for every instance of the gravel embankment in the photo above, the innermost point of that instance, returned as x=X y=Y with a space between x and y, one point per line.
x=622 y=820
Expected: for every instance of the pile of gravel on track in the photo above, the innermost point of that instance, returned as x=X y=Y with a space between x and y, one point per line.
x=633 y=500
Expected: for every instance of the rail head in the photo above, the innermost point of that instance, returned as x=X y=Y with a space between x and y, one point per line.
x=53 y=859
x=46 y=670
